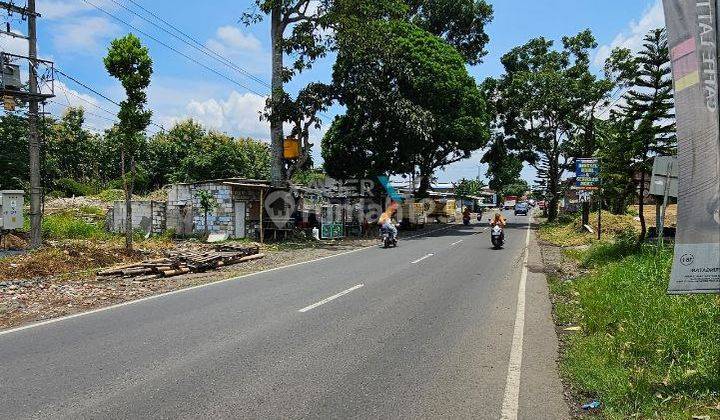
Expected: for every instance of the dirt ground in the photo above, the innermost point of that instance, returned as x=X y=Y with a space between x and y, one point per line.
x=649 y=211
x=60 y=279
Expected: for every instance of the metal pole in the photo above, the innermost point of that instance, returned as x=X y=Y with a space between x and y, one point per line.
x=599 y=226
x=661 y=231
x=33 y=138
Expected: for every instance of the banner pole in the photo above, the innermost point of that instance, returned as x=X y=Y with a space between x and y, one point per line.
x=599 y=224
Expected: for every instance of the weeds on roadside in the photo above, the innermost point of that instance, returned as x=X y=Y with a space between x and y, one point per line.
x=641 y=351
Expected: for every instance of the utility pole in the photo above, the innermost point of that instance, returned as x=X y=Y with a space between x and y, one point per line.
x=34 y=97
x=277 y=28
x=34 y=140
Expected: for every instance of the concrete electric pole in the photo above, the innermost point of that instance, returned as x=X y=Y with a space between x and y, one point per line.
x=34 y=139
x=34 y=97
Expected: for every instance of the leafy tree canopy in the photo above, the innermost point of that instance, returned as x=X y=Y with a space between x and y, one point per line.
x=409 y=101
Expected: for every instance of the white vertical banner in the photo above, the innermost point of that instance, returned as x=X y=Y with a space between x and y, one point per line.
x=693 y=41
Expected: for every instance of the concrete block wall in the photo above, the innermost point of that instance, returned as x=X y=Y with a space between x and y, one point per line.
x=148 y=216
x=222 y=218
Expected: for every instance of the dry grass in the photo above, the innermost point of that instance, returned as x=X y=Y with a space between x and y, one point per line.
x=571 y=234
x=75 y=256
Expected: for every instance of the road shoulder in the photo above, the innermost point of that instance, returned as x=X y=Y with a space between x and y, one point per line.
x=541 y=390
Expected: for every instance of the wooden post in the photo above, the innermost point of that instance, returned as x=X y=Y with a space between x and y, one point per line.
x=262 y=208
x=599 y=226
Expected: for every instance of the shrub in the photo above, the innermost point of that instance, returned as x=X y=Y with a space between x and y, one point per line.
x=72 y=188
x=69 y=226
x=110 y=195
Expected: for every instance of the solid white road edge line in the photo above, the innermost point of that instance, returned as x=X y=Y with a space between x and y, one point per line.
x=423 y=258
x=455 y=243
x=333 y=297
x=512 y=383
x=187 y=289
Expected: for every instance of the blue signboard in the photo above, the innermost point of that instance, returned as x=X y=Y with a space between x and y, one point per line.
x=587 y=174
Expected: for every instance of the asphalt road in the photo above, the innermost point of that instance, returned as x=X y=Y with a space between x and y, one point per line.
x=422 y=330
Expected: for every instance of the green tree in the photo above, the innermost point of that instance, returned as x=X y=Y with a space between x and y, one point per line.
x=14 y=164
x=129 y=62
x=167 y=150
x=306 y=29
x=518 y=187
x=504 y=167
x=410 y=103
x=298 y=28
x=538 y=100
x=647 y=120
x=461 y=23
x=208 y=203
x=469 y=188
x=72 y=151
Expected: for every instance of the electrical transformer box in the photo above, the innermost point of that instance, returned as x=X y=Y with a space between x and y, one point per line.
x=11 y=210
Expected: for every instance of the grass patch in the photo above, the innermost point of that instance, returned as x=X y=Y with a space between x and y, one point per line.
x=641 y=352
x=568 y=232
x=68 y=225
x=111 y=195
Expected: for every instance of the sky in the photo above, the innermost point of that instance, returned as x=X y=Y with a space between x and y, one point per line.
x=75 y=35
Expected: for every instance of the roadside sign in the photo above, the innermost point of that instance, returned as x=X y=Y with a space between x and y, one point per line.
x=587 y=174
x=585 y=196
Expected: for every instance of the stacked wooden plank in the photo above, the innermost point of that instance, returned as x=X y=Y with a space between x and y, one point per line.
x=186 y=261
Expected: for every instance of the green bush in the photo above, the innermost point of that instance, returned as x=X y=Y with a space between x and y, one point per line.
x=641 y=351
x=72 y=188
x=69 y=226
x=624 y=244
x=110 y=195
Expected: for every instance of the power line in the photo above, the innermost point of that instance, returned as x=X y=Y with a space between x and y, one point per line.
x=80 y=83
x=85 y=100
x=86 y=87
x=172 y=48
x=194 y=43
x=213 y=70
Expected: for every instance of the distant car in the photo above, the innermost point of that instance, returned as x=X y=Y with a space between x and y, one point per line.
x=531 y=202
x=521 y=209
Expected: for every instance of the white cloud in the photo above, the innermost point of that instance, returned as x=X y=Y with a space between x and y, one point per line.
x=96 y=119
x=58 y=9
x=239 y=114
x=231 y=38
x=632 y=38
x=83 y=35
x=241 y=48
x=14 y=45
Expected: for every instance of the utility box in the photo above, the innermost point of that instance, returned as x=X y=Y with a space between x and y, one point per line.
x=11 y=209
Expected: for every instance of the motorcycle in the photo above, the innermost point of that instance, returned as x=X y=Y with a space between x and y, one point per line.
x=466 y=220
x=497 y=236
x=388 y=239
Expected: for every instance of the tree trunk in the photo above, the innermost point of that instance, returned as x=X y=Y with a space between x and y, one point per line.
x=205 y=234
x=277 y=163
x=641 y=208
x=128 y=198
x=424 y=187
x=585 y=213
x=553 y=177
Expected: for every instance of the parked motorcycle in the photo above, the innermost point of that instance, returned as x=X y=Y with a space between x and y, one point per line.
x=388 y=239
x=497 y=236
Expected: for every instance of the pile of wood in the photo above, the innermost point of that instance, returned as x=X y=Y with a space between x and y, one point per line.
x=183 y=262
